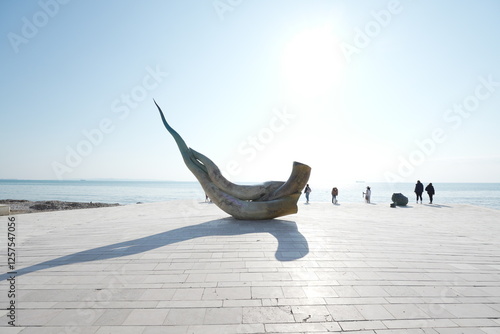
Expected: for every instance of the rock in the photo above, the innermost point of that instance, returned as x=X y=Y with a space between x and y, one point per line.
x=24 y=206
x=399 y=199
x=44 y=206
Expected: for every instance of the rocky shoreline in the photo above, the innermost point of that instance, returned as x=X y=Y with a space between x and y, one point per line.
x=25 y=206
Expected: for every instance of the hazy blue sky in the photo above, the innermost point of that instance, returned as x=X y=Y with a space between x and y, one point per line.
x=358 y=90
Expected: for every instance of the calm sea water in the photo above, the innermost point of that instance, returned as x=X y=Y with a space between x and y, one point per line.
x=123 y=192
x=128 y=192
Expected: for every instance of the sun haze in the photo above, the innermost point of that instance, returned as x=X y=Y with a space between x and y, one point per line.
x=359 y=90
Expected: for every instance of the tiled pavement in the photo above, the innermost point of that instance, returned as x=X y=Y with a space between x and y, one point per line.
x=185 y=267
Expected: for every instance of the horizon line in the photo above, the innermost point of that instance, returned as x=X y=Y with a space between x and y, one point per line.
x=195 y=181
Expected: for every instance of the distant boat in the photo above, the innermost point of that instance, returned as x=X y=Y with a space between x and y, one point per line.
x=360 y=181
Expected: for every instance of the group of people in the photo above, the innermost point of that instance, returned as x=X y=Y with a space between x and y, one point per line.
x=335 y=193
x=419 y=190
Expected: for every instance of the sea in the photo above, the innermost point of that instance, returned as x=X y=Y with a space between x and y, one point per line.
x=131 y=192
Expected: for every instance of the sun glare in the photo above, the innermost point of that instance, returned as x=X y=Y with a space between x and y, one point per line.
x=312 y=62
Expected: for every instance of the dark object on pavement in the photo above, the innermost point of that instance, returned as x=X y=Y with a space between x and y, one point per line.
x=399 y=199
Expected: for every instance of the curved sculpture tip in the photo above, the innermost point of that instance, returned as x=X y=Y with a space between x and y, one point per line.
x=183 y=148
x=162 y=116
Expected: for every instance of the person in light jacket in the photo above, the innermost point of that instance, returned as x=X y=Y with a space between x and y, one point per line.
x=367 y=194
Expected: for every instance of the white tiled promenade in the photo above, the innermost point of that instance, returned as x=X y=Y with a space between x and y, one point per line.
x=185 y=267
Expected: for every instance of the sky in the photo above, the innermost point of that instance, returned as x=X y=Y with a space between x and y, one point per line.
x=376 y=91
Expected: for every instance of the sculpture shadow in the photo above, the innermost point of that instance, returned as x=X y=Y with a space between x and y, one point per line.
x=292 y=245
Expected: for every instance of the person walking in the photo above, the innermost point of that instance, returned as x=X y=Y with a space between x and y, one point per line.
x=430 y=191
x=367 y=194
x=307 y=190
x=335 y=193
x=419 y=189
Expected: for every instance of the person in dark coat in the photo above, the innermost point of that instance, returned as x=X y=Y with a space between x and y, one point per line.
x=419 y=189
x=335 y=193
x=430 y=191
x=307 y=190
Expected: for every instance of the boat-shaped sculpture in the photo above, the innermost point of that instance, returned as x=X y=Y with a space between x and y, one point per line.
x=251 y=202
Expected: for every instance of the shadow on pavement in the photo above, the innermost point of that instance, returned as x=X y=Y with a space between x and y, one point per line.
x=292 y=245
